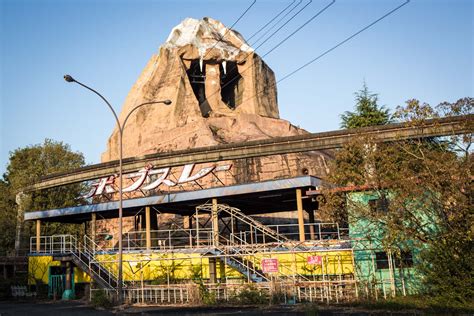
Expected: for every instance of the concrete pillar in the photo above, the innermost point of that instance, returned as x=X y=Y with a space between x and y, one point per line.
x=38 y=235
x=212 y=270
x=299 y=206
x=311 y=221
x=215 y=222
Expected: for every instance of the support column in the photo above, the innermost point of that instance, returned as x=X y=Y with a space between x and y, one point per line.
x=215 y=222
x=222 y=270
x=212 y=270
x=38 y=235
x=148 y=228
x=311 y=221
x=189 y=225
x=93 y=231
x=68 y=293
x=299 y=206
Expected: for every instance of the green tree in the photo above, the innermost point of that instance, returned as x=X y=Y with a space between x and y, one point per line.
x=429 y=189
x=367 y=111
x=26 y=166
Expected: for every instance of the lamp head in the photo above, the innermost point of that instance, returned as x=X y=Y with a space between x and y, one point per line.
x=167 y=102
x=68 y=78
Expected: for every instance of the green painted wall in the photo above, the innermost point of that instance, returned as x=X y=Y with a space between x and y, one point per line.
x=365 y=236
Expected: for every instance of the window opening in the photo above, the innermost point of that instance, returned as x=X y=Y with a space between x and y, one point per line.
x=231 y=84
x=381 y=260
x=197 y=78
x=379 y=205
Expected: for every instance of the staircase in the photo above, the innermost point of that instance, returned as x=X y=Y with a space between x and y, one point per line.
x=239 y=263
x=66 y=247
x=234 y=249
x=256 y=225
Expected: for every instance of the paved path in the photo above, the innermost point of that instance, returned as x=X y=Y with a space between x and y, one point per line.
x=69 y=308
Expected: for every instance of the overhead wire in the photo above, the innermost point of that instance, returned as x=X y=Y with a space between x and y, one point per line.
x=278 y=44
x=263 y=27
x=344 y=41
x=299 y=28
x=334 y=47
x=284 y=24
x=223 y=36
x=278 y=22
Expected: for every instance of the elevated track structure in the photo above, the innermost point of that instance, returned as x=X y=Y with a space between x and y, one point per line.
x=316 y=141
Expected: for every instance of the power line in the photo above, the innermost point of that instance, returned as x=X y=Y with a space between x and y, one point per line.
x=294 y=15
x=263 y=27
x=334 y=47
x=299 y=28
x=278 y=22
x=240 y=17
x=277 y=45
x=343 y=42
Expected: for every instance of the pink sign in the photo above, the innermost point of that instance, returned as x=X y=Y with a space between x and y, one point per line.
x=269 y=265
x=315 y=260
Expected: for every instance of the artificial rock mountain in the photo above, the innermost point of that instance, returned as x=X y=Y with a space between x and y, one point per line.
x=221 y=92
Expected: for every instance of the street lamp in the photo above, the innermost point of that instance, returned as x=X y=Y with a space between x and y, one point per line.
x=121 y=127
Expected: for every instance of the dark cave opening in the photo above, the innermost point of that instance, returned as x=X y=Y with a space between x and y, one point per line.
x=231 y=84
x=197 y=78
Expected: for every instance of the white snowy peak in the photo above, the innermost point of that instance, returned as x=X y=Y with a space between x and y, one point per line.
x=207 y=34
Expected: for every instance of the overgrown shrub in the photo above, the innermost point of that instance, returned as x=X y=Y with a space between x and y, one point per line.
x=207 y=297
x=100 y=299
x=250 y=295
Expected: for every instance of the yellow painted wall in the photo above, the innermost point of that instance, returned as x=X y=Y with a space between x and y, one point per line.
x=38 y=269
x=186 y=266
x=156 y=266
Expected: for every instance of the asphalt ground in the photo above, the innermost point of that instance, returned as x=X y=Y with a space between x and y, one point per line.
x=81 y=307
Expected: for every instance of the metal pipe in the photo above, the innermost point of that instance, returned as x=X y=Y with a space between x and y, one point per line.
x=120 y=127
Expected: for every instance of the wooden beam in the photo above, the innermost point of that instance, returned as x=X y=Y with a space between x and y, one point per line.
x=215 y=222
x=38 y=235
x=148 y=228
x=299 y=206
x=93 y=231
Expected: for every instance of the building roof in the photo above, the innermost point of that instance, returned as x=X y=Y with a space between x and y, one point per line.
x=252 y=198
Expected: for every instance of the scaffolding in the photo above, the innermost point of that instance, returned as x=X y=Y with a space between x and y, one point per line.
x=222 y=251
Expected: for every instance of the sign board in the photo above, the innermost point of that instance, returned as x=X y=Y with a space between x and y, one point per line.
x=269 y=265
x=317 y=260
x=149 y=178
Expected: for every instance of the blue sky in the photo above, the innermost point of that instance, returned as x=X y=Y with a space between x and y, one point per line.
x=423 y=51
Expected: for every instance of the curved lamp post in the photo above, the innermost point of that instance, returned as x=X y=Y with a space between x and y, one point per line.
x=121 y=127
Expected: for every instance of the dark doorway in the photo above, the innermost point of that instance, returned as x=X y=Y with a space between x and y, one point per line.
x=231 y=84
x=197 y=78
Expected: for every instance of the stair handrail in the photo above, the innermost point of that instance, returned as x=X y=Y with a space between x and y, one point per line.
x=250 y=268
x=92 y=252
x=233 y=211
x=250 y=253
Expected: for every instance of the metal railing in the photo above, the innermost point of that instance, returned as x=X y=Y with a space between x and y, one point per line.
x=163 y=239
x=83 y=252
x=315 y=231
x=277 y=291
x=53 y=244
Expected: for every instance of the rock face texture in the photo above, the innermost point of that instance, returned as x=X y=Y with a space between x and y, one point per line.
x=221 y=92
